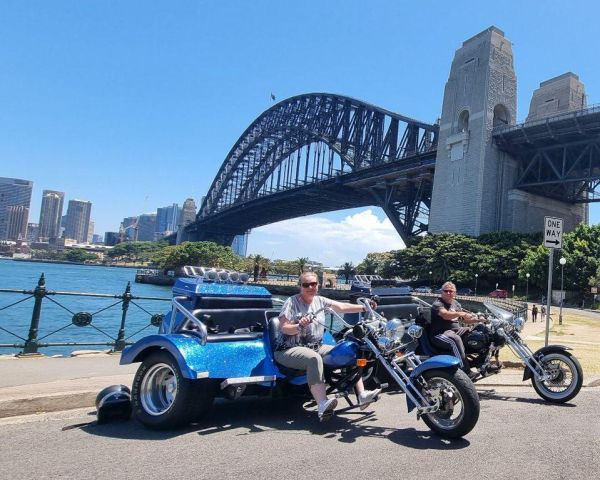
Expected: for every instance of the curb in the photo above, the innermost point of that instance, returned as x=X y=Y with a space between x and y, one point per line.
x=46 y=403
x=68 y=401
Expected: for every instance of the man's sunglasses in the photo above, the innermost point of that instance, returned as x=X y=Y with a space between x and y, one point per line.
x=309 y=284
x=448 y=291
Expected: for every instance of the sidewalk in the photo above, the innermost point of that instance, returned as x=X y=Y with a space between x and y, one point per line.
x=44 y=384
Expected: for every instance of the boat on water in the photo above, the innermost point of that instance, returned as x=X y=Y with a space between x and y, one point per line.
x=157 y=276
x=376 y=285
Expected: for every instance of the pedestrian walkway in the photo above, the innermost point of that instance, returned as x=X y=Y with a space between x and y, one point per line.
x=44 y=384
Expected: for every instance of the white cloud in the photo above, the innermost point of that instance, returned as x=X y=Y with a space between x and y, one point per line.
x=326 y=240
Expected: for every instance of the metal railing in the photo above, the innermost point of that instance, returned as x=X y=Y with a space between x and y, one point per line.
x=518 y=308
x=541 y=121
x=33 y=342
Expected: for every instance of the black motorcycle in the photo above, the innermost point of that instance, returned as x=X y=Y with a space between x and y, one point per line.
x=555 y=373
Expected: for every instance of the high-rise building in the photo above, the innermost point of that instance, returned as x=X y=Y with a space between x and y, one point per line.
x=128 y=229
x=14 y=192
x=145 y=227
x=96 y=238
x=33 y=232
x=51 y=214
x=111 y=238
x=77 y=223
x=17 y=222
x=186 y=216
x=240 y=244
x=188 y=213
x=166 y=219
x=90 y=234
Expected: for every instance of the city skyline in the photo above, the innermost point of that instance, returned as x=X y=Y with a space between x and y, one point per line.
x=136 y=107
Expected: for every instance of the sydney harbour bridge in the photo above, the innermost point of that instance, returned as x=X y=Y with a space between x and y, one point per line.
x=322 y=152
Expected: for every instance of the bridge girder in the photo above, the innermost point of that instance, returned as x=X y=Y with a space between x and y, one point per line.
x=558 y=157
x=350 y=152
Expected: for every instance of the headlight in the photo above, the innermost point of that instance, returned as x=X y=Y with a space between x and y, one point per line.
x=518 y=323
x=394 y=329
x=383 y=342
x=415 y=331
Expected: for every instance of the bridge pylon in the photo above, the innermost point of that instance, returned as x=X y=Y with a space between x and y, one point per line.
x=477 y=187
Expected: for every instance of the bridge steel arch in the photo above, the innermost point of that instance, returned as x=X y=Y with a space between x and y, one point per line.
x=321 y=152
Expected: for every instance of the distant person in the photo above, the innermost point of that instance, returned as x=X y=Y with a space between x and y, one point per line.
x=534 y=312
x=300 y=344
x=263 y=273
x=543 y=310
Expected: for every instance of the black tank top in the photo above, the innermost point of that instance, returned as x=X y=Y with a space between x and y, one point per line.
x=438 y=324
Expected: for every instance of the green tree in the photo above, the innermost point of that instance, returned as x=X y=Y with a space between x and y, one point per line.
x=76 y=255
x=258 y=262
x=301 y=264
x=368 y=266
x=136 y=251
x=197 y=253
x=347 y=270
x=284 y=267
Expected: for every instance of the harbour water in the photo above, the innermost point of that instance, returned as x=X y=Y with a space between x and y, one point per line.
x=15 y=320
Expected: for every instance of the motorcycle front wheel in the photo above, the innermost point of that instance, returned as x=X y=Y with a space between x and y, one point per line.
x=458 y=400
x=566 y=378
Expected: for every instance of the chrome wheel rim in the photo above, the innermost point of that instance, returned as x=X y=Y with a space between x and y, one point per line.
x=158 y=389
x=451 y=411
x=562 y=374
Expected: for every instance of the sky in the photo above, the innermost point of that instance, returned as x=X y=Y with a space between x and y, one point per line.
x=134 y=105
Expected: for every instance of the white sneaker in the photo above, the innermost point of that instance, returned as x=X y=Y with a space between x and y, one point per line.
x=367 y=397
x=326 y=408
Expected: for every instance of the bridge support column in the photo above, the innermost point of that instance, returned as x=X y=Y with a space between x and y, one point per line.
x=472 y=177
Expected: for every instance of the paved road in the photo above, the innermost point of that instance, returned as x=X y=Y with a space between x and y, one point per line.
x=518 y=436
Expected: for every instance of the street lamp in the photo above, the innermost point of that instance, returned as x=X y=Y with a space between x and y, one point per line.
x=562 y=262
x=527 y=287
x=476 y=275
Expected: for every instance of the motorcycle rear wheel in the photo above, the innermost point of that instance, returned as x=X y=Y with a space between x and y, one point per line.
x=459 y=402
x=163 y=399
x=566 y=381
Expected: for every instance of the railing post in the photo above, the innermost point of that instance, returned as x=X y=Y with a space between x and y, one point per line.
x=31 y=345
x=120 y=343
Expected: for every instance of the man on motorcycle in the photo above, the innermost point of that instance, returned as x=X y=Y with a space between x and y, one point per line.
x=446 y=332
x=300 y=345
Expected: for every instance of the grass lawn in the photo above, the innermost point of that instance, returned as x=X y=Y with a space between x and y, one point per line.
x=579 y=332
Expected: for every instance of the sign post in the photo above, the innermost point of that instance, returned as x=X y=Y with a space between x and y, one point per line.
x=553 y=232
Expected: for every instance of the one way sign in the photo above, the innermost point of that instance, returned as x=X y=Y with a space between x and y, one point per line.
x=553 y=230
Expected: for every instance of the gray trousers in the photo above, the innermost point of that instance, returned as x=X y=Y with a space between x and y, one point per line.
x=304 y=358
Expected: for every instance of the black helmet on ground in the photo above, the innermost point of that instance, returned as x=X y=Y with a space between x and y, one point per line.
x=113 y=403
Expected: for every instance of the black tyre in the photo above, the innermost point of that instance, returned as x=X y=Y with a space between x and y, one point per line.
x=566 y=378
x=458 y=399
x=162 y=398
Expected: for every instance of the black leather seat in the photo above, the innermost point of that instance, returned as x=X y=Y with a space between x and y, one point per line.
x=400 y=311
x=232 y=320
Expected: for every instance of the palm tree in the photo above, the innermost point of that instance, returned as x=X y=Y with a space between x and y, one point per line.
x=301 y=262
x=347 y=270
x=258 y=259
